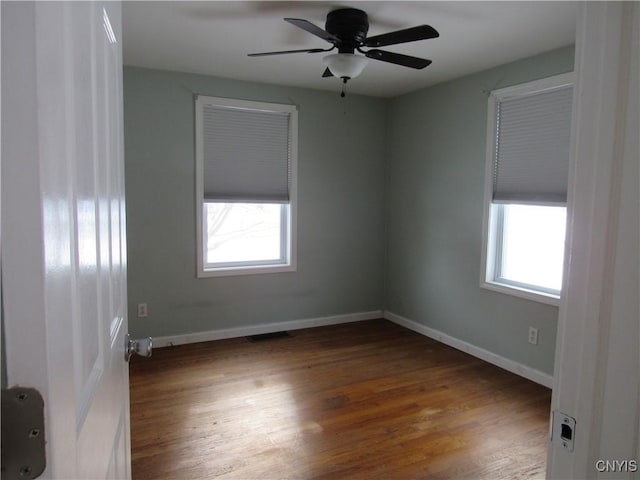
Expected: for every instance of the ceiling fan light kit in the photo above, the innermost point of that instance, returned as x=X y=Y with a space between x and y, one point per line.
x=345 y=65
x=346 y=29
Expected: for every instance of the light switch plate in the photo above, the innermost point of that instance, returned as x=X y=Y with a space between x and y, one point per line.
x=142 y=310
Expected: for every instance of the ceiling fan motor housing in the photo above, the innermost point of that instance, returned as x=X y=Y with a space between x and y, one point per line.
x=350 y=25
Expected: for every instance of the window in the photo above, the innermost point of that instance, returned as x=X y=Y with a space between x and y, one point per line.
x=528 y=138
x=246 y=161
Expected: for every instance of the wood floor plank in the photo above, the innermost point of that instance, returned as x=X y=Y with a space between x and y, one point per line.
x=361 y=400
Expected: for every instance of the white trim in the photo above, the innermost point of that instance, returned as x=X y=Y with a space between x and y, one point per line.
x=596 y=381
x=246 y=270
x=514 y=367
x=488 y=263
x=199 y=190
x=196 y=337
x=535 y=296
x=488 y=253
x=280 y=265
x=290 y=265
x=536 y=86
x=245 y=104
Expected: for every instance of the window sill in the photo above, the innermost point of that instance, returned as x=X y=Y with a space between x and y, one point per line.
x=237 y=271
x=548 y=298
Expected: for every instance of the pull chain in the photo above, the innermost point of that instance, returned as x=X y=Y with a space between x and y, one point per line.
x=344 y=86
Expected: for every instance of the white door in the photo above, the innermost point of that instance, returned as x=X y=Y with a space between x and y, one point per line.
x=63 y=229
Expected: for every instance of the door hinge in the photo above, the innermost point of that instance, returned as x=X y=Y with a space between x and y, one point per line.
x=23 y=435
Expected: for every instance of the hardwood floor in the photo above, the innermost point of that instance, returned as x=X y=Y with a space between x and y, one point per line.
x=367 y=400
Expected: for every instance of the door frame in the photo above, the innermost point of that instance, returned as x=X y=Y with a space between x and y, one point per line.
x=596 y=365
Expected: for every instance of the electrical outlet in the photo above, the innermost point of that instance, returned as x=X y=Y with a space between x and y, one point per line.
x=142 y=310
x=533 y=336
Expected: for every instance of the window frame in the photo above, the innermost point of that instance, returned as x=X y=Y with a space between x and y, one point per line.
x=493 y=279
x=288 y=212
x=284 y=243
x=492 y=212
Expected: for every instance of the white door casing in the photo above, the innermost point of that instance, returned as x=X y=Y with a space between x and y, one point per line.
x=63 y=228
x=597 y=359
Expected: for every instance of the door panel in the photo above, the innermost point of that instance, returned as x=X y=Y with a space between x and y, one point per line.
x=72 y=204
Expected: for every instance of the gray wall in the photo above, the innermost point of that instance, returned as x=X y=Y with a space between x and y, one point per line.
x=340 y=219
x=390 y=211
x=435 y=196
x=3 y=355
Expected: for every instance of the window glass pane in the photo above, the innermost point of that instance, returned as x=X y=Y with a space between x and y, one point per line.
x=533 y=245
x=243 y=232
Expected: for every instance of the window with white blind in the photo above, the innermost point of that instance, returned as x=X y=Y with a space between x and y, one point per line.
x=246 y=164
x=528 y=137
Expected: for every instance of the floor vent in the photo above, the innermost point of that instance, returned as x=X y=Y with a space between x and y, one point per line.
x=268 y=336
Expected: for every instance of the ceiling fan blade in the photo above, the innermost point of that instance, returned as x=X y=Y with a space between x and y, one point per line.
x=307 y=50
x=422 y=32
x=311 y=28
x=398 y=59
x=327 y=73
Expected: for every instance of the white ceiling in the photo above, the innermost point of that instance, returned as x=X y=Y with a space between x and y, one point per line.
x=214 y=38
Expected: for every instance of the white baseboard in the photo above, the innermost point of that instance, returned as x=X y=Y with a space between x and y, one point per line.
x=172 y=340
x=502 y=362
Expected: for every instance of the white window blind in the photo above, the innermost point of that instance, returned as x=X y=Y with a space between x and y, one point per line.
x=532 y=147
x=246 y=154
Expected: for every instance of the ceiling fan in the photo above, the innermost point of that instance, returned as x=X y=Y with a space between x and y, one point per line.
x=346 y=29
